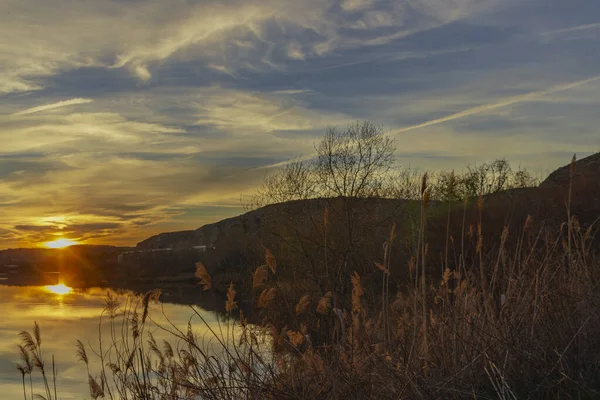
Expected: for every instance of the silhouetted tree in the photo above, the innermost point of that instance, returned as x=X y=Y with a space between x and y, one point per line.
x=355 y=162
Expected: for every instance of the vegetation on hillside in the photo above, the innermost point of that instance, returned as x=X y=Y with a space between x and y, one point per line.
x=360 y=162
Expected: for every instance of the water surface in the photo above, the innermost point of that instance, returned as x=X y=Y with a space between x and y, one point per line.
x=64 y=318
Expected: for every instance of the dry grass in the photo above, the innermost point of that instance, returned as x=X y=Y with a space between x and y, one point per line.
x=518 y=318
x=260 y=277
x=266 y=297
x=203 y=276
x=324 y=304
x=230 y=304
x=302 y=305
x=270 y=260
x=529 y=329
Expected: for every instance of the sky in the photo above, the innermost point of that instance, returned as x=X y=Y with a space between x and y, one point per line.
x=120 y=119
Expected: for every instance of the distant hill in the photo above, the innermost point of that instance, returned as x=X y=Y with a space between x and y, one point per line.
x=546 y=202
x=585 y=171
x=215 y=233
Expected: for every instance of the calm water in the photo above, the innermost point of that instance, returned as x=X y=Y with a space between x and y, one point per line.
x=64 y=318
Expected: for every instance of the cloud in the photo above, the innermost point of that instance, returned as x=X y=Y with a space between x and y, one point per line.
x=71 y=227
x=504 y=103
x=585 y=27
x=292 y=91
x=243 y=112
x=46 y=107
x=232 y=36
x=80 y=132
x=108 y=178
x=354 y=5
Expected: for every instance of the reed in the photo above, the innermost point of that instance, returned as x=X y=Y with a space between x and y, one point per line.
x=514 y=317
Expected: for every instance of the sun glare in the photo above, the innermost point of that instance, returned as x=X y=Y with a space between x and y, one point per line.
x=60 y=243
x=60 y=289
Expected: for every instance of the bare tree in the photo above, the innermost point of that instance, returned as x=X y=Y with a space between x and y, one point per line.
x=294 y=181
x=487 y=178
x=523 y=178
x=354 y=162
x=405 y=183
x=448 y=187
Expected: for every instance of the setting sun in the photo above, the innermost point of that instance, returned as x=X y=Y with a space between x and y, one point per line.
x=60 y=243
x=61 y=289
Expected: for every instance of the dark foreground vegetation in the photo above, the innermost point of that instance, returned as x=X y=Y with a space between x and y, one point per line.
x=476 y=285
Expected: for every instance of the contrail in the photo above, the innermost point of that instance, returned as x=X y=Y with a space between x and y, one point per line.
x=52 y=106
x=282 y=163
x=471 y=111
x=574 y=29
x=507 y=102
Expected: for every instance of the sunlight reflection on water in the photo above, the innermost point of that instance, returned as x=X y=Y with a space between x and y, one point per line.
x=60 y=289
x=65 y=316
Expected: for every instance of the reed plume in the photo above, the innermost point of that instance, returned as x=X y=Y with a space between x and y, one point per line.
x=324 y=305
x=266 y=297
x=259 y=279
x=203 y=276
x=230 y=304
x=270 y=260
x=302 y=305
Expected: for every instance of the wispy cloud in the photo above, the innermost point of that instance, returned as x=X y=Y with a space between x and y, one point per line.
x=46 y=107
x=232 y=36
x=574 y=29
x=500 y=104
x=243 y=112
x=292 y=91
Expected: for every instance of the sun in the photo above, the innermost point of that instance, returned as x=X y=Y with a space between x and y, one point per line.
x=60 y=289
x=60 y=243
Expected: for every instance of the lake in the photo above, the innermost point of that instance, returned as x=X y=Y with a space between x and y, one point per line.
x=65 y=316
